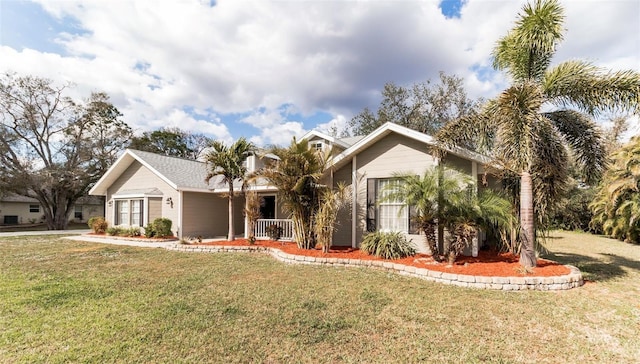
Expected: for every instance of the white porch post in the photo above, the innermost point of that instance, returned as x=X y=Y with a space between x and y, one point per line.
x=180 y=199
x=354 y=196
x=246 y=222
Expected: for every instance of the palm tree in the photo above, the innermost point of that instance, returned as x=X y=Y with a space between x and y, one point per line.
x=616 y=206
x=471 y=211
x=430 y=196
x=528 y=126
x=228 y=162
x=296 y=173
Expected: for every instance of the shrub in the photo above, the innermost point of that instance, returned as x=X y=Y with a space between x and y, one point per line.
x=387 y=245
x=115 y=230
x=274 y=231
x=132 y=231
x=98 y=224
x=158 y=228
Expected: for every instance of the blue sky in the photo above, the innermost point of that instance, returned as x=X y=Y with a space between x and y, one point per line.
x=269 y=70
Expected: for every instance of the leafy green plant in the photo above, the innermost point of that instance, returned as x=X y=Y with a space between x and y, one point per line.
x=98 y=224
x=115 y=230
x=132 y=231
x=158 y=228
x=387 y=245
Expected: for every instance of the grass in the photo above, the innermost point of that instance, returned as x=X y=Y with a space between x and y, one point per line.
x=67 y=301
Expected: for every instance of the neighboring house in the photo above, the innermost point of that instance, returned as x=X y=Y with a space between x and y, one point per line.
x=17 y=209
x=141 y=186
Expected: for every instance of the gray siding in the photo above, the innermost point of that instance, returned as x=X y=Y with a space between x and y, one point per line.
x=342 y=235
x=392 y=154
x=155 y=208
x=138 y=177
x=206 y=215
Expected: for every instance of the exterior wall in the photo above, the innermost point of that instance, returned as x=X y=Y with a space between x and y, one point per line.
x=206 y=215
x=88 y=211
x=392 y=154
x=138 y=177
x=342 y=235
x=155 y=208
x=21 y=210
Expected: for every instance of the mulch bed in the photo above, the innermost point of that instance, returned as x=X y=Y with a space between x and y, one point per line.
x=487 y=263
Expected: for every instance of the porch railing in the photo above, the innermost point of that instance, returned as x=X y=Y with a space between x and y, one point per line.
x=263 y=226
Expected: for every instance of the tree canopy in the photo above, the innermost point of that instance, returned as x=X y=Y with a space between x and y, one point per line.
x=172 y=142
x=53 y=148
x=425 y=107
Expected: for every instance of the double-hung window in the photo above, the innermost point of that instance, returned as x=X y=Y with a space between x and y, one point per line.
x=129 y=212
x=393 y=213
x=385 y=213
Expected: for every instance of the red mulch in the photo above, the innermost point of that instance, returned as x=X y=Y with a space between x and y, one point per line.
x=487 y=263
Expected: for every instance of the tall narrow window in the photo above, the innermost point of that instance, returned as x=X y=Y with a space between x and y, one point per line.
x=393 y=214
x=122 y=212
x=136 y=212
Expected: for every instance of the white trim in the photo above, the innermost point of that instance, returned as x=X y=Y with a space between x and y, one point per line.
x=354 y=198
x=324 y=136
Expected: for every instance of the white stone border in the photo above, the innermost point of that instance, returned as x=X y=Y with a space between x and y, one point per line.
x=555 y=283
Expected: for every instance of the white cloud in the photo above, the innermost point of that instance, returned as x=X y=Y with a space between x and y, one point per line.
x=156 y=58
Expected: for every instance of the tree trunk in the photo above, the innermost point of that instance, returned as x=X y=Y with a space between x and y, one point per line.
x=232 y=233
x=527 y=236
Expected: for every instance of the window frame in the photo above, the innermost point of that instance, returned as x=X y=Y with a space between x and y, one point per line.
x=34 y=209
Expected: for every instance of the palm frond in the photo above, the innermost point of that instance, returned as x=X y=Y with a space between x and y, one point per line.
x=526 y=51
x=585 y=139
x=592 y=89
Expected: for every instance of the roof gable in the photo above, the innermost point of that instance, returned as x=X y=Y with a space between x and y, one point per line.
x=388 y=128
x=179 y=173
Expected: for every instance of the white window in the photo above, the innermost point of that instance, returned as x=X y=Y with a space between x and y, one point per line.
x=34 y=208
x=122 y=212
x=130 y=212
x=136 y=212
x=393 y=214
x=317 y=145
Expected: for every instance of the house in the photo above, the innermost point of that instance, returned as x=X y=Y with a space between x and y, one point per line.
x=141 y=186
x=17 y=209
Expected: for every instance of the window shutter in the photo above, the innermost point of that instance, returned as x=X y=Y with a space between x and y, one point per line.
x=371 y=204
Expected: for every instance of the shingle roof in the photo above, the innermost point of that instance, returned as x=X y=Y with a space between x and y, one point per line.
x=179 y=173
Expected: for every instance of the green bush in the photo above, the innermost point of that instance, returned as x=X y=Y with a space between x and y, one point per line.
x=115 y=230
x=132 y=231
x=387 y=245
x=98 y=224
x=158 y=228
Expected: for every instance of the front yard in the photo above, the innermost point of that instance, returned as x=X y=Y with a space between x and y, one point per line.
x=86 y=302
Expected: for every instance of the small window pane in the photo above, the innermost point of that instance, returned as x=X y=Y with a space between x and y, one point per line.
x=34 y=208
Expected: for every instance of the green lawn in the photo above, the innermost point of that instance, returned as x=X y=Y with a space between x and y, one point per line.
x=65 y=301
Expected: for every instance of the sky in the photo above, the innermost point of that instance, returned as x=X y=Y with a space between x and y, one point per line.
x=270 y=70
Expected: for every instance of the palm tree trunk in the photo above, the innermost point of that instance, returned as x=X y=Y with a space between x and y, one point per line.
x=527 y=236
x=232 y=233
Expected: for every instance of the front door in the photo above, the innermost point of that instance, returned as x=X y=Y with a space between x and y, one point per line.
x=268 y=207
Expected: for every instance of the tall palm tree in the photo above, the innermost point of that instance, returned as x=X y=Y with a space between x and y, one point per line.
x=228 y=162
x=616 y=206
x=528 y=126
x=296 y=172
